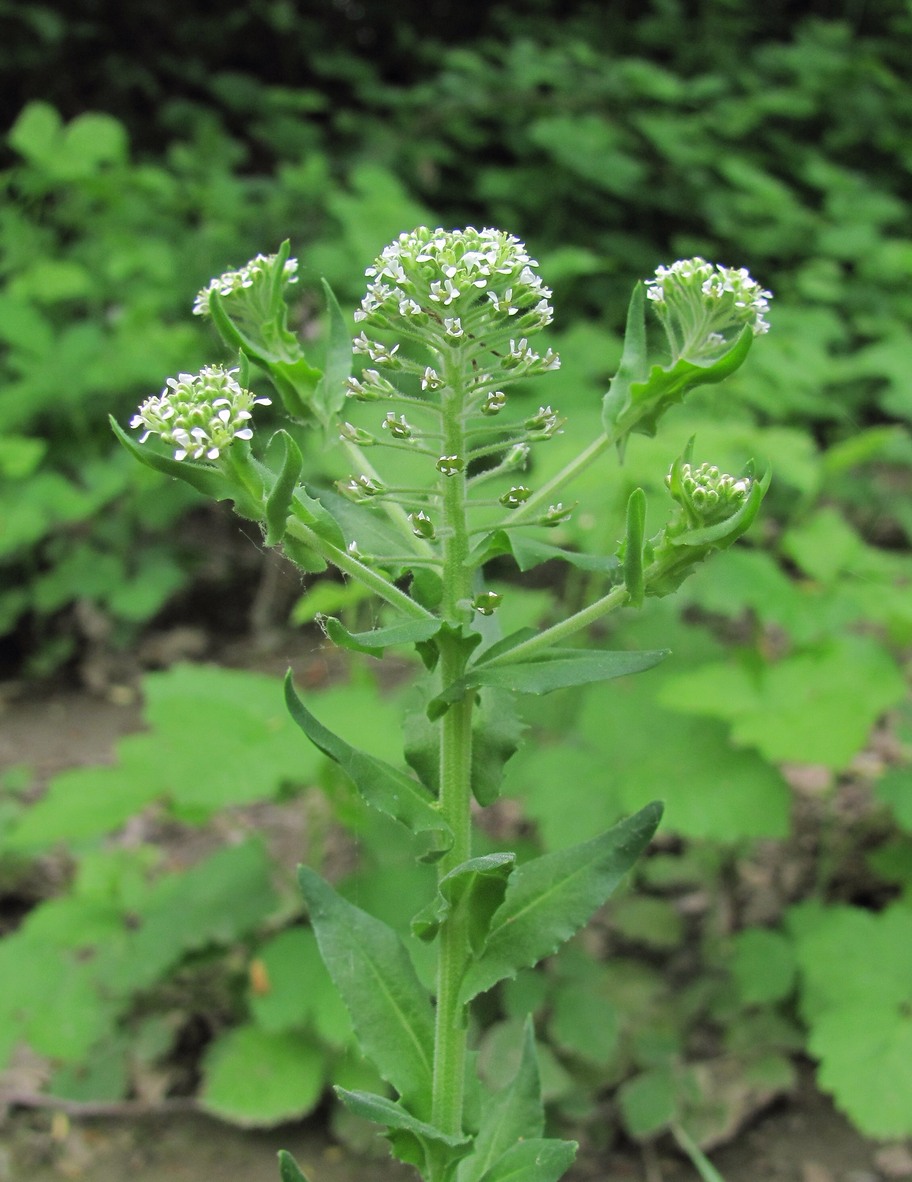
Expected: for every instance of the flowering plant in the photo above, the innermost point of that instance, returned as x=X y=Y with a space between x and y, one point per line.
x=445 y=329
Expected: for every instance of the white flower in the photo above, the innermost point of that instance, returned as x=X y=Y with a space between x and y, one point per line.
x=199 y=414
x=253 y=275
x=704 y=305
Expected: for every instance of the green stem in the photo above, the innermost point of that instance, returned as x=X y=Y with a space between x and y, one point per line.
x=616 y=597
x=450 y=1041
x=393 y=509
x=357 y=570
x=543 y=496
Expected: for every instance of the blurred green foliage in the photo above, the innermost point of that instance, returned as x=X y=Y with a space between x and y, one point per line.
x=617 y=138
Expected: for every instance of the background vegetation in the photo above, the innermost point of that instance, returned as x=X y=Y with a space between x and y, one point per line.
x=776 y=916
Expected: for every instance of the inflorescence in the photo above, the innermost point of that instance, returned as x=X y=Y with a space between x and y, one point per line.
x=461 y=287
x=249 y=279
x=706 y=494
x=199 y=414
x=704 y=305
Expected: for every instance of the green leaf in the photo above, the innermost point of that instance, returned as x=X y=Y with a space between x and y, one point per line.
x=476 y=887
x=550 y=898
x=763 y=966
x=207 y=480
x=514 y=1114
x=636 y=406
x=383 y=786
x=374 y=642
x=288 y=1168
x=540 y=1159
x=557 y=669
x=279 y=497
x=712 y=790
x=633 y=547
x=329 y=396
x=390 y=1009
x=254 y=1078
x=812 y=707
x=496 y=733
x=284 y=961
x=648 y=1102
x=633 y=364
x=236 y=340
x=529 y=552
x=856 y=995
x=413 y=1141
x=296 y=381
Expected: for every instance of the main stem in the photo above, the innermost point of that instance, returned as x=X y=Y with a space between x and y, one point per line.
x=455 y=761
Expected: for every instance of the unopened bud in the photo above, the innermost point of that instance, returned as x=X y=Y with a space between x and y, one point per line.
x=487 y=602
x=450 y=465
x=422 y=526
x=517 y=496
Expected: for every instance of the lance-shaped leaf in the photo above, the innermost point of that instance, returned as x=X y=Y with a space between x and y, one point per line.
x=414 y=1141
x=551 y=897
x=279 y=497
x=389 y=1007
x=376 y=641
x=476 y=887
x=556 y=669
x=633 y=547
x=633 y=365
x=329 y=396
x=383 y=786
x=514 y=1114
x=203 y=477
x=288 y=1168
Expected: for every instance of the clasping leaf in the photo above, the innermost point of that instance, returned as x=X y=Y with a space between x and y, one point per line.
x=383 y=786
x=550 y=898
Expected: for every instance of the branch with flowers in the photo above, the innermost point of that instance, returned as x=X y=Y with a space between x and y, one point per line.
x=444 y=333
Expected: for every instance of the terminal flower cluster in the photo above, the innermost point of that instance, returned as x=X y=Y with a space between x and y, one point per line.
x=704 y=305
x=453 y=282
x=706 y=494
x=253 y=279
x=199 y=414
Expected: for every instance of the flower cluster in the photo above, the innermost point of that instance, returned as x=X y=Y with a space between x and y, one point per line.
x=452 y=282
x=254 y=278
x=703 y=305
x=199 y=414
x=706 y=494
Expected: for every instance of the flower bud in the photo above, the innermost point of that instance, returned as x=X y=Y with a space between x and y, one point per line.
x=487 y=602
x=422 y=526
x=450 y=465
x=360 y=488
x=517 y=496
x=353 y=434
x=706 y=495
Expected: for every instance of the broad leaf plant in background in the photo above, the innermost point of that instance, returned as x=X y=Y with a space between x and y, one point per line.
x=439 y=444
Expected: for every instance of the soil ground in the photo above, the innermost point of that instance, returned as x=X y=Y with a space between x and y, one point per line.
x=801 y=1139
